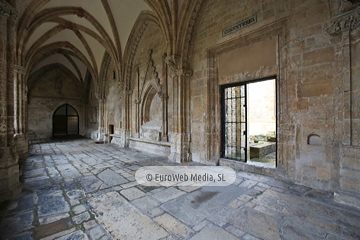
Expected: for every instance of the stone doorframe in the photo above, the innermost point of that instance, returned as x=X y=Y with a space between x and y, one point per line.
x=278 y=31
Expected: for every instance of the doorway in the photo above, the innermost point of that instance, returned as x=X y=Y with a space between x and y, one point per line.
x=111 y=132
x=65 y=121
x=249 y=122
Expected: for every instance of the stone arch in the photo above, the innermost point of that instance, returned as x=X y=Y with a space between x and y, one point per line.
x=65 y=121
x=151 y=89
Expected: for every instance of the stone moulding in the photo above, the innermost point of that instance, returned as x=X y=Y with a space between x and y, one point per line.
x=346 y=22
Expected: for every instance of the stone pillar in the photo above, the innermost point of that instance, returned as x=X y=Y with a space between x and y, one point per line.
x=20 y=108
x=127 y=118
x=9 y=167
x=180 y=138
x=164 y=100
x=101 y=115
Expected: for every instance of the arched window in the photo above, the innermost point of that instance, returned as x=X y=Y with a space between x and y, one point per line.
x=65 y=121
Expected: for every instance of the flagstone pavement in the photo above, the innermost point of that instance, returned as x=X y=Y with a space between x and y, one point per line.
x=81 y=190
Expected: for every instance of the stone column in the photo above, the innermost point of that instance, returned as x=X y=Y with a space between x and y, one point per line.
x=9 y=167
x=180 y=139
x=127 y=118
x=101 y=115
x=164 y=100
x=20 y=108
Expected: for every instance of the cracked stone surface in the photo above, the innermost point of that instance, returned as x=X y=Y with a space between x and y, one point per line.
x=82 y=190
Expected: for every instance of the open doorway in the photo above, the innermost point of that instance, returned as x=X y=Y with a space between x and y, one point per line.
x=65 y=121
x=249 y=122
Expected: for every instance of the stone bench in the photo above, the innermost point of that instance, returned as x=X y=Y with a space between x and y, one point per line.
x=259 y=150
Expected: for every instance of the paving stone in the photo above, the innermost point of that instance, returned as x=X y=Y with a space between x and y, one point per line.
x=174 y=226
x=146 y=203
x=194 y=207
x=74 y=202
x=69 y=171
x=51 y=228
x=96 y=232
x=75 y=194
x=105 y=238
x=155 y=212
x=213 y=232
x=22 y=236
x=78 y=235
x=32 y=185
x=53 y=218
x=129 y=185
x=70 y=186
x=248 y=220
x=248 y=184
x=35 y=173
x=90 y=184
x=81 y=217
x=90 y=224
x=189 y=189
x=201 y=225
x=132 y=193
x=22 y=204
x=168 y=194
x=111 y=178
x=250 y=237
x=237 y=232
x=16 y=224
x=52 y=204
x=79 y=209
x=122 y=219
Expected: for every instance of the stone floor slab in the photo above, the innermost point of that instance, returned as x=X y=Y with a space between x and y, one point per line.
x=168 y=194
x=122 y=219
x=213 y=232
x=132 y=193
x=85 y=175
x=111 y=178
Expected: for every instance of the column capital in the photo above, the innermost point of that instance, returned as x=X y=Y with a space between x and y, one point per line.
x=8 y=11
x=20 y=69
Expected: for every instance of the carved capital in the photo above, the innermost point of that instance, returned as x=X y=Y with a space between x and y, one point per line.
x=345 y=23
x=176 y=70
x=121 y=85
x=185 y=72
x=20 y=69
x=163 y=96
x=8 y=11
x=137 y=101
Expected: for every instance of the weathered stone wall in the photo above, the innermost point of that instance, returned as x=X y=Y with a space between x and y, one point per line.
x=113 y=103
x=53 y=89
x=148 y=67
x=92 y=108
x=289 y=40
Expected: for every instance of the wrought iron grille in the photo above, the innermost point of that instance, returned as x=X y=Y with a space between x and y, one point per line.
x=234 y=123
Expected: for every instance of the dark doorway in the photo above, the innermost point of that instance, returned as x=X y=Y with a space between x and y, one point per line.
x=111 y=131
x=65 y=121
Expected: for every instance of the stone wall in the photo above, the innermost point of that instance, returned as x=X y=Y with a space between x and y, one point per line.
x=53 y=89
x=92 y=115
x=147 y=78
x=290 y=41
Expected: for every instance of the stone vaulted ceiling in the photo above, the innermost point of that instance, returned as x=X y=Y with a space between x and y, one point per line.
x=75 y=33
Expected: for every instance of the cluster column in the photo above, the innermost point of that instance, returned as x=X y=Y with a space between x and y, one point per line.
x=9 y=166
x=181 y=137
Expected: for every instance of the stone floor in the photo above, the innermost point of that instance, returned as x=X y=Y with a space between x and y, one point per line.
x=82 y=190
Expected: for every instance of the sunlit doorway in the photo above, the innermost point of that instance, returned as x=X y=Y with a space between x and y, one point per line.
x=249 y=122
